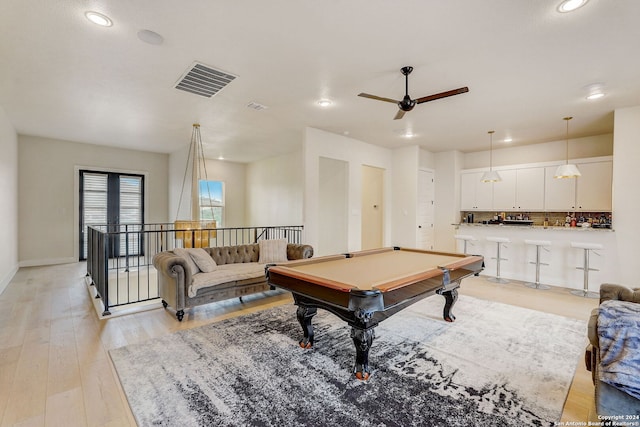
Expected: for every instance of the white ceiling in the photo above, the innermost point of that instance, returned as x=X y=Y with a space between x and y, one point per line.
x=525 y=64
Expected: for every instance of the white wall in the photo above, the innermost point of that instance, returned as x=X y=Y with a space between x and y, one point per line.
x=404 y=194
x=333 y=205
x=48 y=187
x=503 y=155
x=626 y=195
x=447 y=200
x=356 y=153
x=274 y=191
x=9 y=197
x=232 y=174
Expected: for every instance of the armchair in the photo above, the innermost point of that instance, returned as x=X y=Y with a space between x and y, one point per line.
x=612 y=400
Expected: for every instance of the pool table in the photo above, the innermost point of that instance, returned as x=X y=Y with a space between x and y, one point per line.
x=363 y=288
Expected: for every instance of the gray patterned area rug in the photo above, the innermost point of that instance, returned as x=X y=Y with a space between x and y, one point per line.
x=497 y=365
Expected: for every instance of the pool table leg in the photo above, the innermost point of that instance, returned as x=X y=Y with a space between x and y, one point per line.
x=450 y=298
x=305 y=314
x=362 y=338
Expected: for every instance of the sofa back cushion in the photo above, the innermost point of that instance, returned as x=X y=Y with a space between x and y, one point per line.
x=234 y=254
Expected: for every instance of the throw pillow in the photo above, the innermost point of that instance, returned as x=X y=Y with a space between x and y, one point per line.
x=202 y=259
x=273 y=250
x=181 y=252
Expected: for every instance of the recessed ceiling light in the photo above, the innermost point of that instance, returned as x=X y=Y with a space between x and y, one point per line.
x=571 y=5
x=150 y=37
x=405 y=133
x=595 y=95
x=98 y=19
x=324 y=102
x=220 y=158
x=508 y=139
x=594 y=91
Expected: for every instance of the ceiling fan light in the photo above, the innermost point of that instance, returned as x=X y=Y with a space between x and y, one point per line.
x=567 y=171
x=491 y=176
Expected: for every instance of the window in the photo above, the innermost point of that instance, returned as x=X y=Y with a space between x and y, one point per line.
x=114 y=199
x=211 y=197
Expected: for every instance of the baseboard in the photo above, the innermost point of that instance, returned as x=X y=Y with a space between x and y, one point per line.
x=49 y=261
x=7 y=279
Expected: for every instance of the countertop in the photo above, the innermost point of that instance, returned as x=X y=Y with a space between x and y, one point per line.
x=538 y=227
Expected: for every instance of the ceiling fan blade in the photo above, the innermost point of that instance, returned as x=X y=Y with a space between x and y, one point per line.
x=442 y=95
x=377 y=98
x=399 y=115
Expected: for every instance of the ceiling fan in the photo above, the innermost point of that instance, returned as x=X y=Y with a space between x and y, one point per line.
x=407 y=103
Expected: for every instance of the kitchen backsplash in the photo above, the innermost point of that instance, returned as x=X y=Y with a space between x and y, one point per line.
x=538 y=218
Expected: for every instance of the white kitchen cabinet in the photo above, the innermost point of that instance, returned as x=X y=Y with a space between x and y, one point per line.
x=535 y=189
x=519 y=190
x=475 y=194
x=530 y=189
x=590 y=192
x=594 y=186
x=504 y=192
x=559 y=194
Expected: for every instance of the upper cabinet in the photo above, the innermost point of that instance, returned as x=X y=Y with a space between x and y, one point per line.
x=559 y=194
x=535 y=189
x=519 y=190
x=475 y=194
x=589 y=192
x=593 y=188
x=530 y=189
x=504 y=192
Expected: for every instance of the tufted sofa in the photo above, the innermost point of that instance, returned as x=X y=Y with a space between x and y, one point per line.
x=237 y=272
x=609 y=400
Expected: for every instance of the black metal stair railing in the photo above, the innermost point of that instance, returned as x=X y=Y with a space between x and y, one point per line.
x=119 y=257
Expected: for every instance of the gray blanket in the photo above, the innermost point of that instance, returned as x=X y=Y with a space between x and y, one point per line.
x=619 y=337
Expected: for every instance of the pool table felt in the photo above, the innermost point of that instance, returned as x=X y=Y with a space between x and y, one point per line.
x=374 y=271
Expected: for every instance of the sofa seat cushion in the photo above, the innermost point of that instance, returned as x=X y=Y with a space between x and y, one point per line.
x=226 y=273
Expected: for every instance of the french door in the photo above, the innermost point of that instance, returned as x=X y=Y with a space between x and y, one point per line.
x=115 y=200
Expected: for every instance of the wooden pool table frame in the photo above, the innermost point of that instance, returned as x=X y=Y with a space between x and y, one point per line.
x=364 y=309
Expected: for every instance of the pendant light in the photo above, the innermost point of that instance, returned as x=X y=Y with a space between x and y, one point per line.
x=567 y=170
x=490 y=175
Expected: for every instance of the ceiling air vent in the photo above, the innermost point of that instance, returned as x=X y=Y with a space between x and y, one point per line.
x=204 y=80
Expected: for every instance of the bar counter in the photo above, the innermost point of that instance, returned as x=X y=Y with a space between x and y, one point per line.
x=561 y=257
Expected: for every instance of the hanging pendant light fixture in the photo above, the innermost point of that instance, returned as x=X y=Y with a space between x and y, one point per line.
x=567 y=170
x=491 y=175
x=195 y=232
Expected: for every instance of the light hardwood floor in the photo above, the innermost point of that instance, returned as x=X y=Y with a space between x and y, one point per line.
x=54 y=364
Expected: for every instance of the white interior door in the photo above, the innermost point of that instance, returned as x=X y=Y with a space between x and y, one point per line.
x=372 y=207
x=426 y=206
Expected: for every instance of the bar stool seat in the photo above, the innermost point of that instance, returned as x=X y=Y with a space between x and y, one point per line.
x=539 y=244
x=466 y=238
x=499 y=241
x=587 y=248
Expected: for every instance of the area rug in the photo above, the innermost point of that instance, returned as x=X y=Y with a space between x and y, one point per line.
x=497 y=365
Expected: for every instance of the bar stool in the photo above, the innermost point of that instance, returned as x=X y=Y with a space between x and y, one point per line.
x=499 y=242
x=587 y=247
x=539 y=244
x=466 y=239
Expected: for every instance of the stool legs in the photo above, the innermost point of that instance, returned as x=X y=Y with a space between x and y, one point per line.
x=537 y=284
x=498 y=258
x=584 y=292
